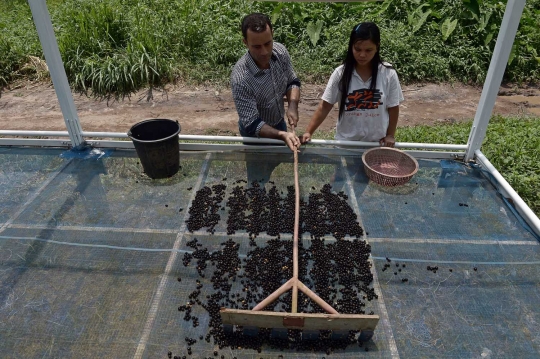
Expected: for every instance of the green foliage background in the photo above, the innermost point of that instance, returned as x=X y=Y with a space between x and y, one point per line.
x=114 y=47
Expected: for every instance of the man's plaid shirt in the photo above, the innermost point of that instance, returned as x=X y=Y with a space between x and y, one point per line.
x=258 y=94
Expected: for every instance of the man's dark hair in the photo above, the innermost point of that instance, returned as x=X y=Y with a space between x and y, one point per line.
x=255 y=22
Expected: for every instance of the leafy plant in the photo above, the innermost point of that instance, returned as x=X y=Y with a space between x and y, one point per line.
x=418 y=17
x=473 y=6
x=314 y=31
x=448 y=27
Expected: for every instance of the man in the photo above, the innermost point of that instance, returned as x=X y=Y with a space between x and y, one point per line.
x=259 y=81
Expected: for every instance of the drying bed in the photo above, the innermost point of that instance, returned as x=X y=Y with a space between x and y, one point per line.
x=91 y=251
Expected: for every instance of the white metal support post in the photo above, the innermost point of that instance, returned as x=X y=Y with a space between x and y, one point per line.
x=501 y=54
x=44 y=27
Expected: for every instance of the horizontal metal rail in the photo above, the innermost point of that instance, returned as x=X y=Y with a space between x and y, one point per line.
x=184 y=146
x=36 y=142
x=105 y=134
x=34 y=133
x=239 y=139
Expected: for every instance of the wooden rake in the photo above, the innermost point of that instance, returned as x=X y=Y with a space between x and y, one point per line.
x=340 y=324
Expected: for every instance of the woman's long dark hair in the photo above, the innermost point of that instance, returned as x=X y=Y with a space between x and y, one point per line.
x=362 y=31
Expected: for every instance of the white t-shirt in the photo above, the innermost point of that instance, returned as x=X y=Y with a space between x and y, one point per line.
x=365 y=116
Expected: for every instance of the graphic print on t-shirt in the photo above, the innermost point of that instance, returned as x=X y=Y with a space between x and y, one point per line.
x=363 y=99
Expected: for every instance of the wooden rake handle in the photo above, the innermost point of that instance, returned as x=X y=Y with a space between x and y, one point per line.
x=294 y=283
x=294 y=307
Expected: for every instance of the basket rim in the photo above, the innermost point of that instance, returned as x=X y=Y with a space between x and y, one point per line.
x=390 y=149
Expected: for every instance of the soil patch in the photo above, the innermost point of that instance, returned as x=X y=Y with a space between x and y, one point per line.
x=31 y=106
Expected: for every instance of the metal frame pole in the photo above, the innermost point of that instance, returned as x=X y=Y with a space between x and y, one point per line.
x=42 y=20
x=499 y=60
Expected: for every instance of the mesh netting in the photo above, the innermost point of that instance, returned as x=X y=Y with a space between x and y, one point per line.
x=91 y=249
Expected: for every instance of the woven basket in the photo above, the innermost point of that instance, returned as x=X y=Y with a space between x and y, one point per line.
x=388 y=166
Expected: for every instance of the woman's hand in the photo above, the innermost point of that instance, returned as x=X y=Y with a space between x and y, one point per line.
x=305 y=138
x=388 y=141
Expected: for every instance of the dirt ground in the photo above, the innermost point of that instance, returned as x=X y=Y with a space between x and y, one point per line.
x=211 y=111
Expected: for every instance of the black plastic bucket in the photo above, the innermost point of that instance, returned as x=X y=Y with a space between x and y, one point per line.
x=156 y=142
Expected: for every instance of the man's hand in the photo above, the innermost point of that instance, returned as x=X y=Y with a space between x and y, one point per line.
x=305 y=138
x=290 y=139
x=388 y=141
x=292 y=114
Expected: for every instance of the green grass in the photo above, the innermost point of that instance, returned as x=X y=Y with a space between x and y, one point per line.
x=115 y=47
x=512 y=144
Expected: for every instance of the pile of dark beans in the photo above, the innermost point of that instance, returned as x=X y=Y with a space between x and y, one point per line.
x=337 y=269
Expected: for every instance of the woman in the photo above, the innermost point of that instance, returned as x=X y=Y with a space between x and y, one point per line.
x=368 y=92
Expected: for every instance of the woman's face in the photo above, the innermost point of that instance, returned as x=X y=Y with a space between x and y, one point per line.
x=364 y=51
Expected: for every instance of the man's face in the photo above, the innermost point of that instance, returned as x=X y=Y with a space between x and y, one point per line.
x=260 y=46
